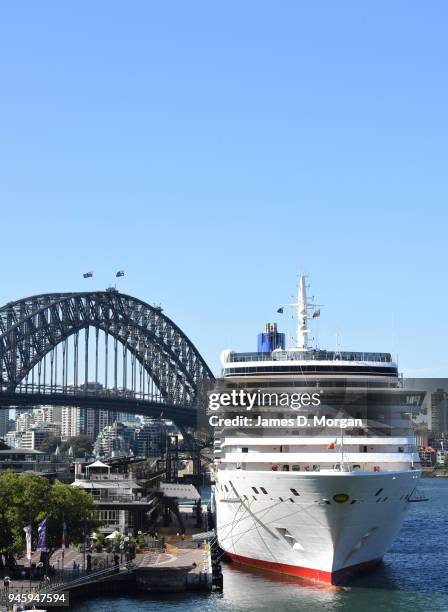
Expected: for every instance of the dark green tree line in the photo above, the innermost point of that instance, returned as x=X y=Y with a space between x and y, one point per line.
x=28 y=499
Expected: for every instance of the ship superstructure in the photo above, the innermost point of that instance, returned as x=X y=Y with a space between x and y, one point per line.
x=325 y=493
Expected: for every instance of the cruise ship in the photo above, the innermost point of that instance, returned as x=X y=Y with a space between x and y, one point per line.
x=323 y=495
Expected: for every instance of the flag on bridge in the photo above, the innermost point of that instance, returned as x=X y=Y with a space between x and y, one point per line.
x=64 y=535
x=27 y=530
x=42 y=536
x=88 y=274
x=120 y=273
x=280 y=310
x=316 y=314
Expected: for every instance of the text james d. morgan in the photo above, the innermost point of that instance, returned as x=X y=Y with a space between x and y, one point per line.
x=298 y=421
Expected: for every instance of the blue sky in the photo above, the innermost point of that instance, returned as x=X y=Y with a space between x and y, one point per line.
x=215 y=150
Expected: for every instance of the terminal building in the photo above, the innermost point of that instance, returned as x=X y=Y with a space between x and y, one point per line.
x=22 y=460
x=119 y=499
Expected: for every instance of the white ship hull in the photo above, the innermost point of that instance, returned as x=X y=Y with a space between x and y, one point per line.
x=315 y=457
x=310 y=534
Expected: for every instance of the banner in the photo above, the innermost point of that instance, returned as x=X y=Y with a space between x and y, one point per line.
x=42 y=536
x=85 y=533
x=64 y=535
x=27 y=530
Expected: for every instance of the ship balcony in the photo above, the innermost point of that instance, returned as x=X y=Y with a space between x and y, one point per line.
x=311 y=355
x=286 y=450
x=332 y=460
x=289 y=442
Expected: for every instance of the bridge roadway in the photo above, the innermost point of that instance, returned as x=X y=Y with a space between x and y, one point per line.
x=184 y=416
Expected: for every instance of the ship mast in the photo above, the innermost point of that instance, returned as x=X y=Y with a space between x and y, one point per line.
x=302 y=316
x=302 y=307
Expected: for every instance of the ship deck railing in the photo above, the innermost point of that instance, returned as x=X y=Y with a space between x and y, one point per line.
x=326 y=468
x=312 y=355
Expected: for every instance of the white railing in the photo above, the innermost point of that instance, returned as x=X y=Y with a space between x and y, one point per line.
x=317 y=441
x=331 y=456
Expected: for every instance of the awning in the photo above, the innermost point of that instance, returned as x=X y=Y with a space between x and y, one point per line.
x=98 y=464
x=181 y=491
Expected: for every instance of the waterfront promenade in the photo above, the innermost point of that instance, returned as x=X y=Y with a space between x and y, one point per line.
x=181 y=565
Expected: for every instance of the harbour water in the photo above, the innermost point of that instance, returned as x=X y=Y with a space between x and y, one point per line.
x=414 y=576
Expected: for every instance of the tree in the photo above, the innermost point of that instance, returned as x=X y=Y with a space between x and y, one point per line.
x=49 y=445
x=74 y=506
x=81 y=445
x=21 y=499
x=3 y=446
x=28 y=499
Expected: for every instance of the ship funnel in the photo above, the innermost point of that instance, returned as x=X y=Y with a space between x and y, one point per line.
x=270 y=339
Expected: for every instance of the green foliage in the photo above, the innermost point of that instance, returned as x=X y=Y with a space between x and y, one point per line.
x=82 y=445
x=28 y=498
x=49 y=445
x=3 y=446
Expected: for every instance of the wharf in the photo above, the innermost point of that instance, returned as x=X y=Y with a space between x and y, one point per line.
x=181 y=566
x=177 y=569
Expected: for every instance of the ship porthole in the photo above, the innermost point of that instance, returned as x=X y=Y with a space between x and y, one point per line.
x=341 y=498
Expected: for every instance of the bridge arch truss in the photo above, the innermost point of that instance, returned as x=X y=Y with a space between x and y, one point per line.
x=33 y=328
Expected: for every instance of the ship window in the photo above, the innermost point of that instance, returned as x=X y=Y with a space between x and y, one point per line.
x=263 y=490
x=245 y=449
x=291 y=500
x=226 y=489
x=378 y=492
x=384 y=499
x=353 y=501
x=281 y=499
x=378 y=500
x=294 y=492
x=255 y=490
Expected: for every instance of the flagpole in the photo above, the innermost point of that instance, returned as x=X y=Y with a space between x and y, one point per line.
x=84 y=547
x=63 y=541
x=30 y=556
x=28 y=529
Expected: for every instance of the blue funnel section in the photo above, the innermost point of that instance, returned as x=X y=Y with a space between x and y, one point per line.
x=270 y=340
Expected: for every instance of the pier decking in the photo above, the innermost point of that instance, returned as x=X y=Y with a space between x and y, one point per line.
x=182 y=566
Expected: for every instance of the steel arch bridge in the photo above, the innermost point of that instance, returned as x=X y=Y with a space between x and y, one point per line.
x=159 y=368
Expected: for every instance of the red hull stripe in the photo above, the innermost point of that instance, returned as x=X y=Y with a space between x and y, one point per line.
x=304 y=572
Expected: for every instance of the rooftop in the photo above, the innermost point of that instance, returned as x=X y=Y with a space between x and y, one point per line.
x=21 y=451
